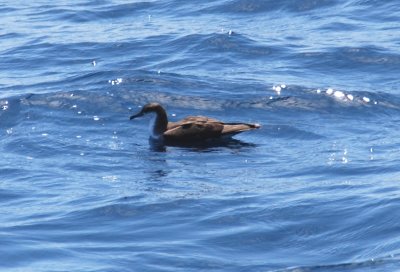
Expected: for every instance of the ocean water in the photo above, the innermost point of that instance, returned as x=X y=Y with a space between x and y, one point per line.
x=315 y=189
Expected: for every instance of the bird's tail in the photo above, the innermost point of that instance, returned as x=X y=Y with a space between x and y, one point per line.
x=234 y=128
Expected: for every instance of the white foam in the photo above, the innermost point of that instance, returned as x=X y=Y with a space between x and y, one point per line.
x=338 y=94
x=115 y=82
x=110 y=178
x=366 y=99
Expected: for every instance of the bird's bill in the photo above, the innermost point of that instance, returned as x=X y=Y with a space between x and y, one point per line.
x=136 y=115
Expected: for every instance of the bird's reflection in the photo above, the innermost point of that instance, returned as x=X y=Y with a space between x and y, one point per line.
x=157 y=146
x=204 y=146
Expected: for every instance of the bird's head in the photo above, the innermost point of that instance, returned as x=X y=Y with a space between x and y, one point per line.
x=148 y=108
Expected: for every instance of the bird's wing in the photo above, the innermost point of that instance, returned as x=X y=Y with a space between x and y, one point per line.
x=196 y=129
x=191 y=119
x=200 y=118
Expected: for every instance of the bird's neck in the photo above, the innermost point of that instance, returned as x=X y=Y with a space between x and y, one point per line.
x=159 y=124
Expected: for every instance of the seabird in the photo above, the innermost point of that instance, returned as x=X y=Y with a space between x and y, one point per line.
x=191 y=129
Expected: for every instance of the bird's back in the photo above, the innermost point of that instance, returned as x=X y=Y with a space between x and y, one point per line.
x=199 y=128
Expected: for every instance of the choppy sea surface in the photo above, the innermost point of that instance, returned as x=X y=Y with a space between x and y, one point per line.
x=317 y=188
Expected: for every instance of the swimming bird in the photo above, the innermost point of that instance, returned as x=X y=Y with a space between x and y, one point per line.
x=190 y=129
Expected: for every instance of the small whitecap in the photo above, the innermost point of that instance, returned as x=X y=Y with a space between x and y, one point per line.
x=110 y=178
x=338 y=94
x=94 y=63
x=74 y=106
x=375 y=102
x=283 y=86
x=159 y=72
x=350 y=97
x=96 y=118
x=119 y=80
x=174 y=114
x=230 y=32
x=79 y=112
x=278 y=89
x=4 y=107
x=366 y=99
x=71 y=95
x=271 y=98
x=78 y=136
x=329 y=91
x=318 y=91
x=9 y=131
x=45 y=134
x=82 y=154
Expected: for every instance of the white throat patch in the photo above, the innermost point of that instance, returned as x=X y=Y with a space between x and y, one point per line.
x=152 y=127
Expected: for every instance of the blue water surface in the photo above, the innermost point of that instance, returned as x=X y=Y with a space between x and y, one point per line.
x=315 y=189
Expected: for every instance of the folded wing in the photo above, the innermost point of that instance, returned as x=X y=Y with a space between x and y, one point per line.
x=201 y=128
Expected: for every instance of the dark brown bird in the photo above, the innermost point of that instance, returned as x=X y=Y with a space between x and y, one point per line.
x=190 y=129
